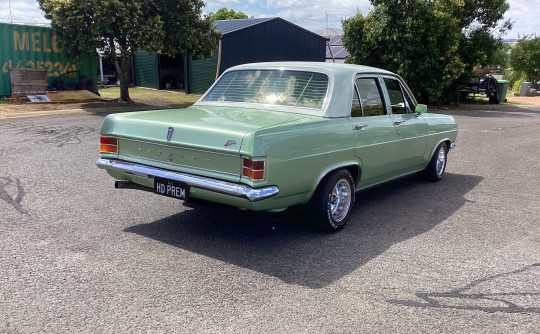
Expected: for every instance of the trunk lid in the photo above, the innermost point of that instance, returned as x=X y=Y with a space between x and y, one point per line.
x=198 y=127
x=203 y=140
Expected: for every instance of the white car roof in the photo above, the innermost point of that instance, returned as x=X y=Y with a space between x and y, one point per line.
x=340 y=85
x=312 y=65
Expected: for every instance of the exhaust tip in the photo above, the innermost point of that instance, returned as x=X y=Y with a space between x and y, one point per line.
x=130 y=185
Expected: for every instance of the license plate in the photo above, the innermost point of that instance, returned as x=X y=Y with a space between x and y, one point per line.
x=171 y=188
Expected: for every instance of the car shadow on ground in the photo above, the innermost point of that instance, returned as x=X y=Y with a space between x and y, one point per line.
x=280 y=246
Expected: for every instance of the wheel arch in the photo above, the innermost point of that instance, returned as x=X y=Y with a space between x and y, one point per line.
x=448 y=143
x=353 y=167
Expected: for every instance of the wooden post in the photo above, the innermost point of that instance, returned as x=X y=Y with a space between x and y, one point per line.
x=218 y=60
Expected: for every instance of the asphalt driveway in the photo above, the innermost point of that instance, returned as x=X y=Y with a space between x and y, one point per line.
x=460 y=255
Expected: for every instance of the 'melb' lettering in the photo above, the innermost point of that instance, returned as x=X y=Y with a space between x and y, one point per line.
x=39 y=42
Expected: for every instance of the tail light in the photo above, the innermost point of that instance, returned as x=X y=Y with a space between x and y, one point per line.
x=108 y=145
x=253 y=169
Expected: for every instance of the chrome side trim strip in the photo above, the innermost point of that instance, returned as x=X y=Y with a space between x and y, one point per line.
x=389 y=180
x=205 y=183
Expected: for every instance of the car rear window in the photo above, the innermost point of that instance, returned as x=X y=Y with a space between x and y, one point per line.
x=280 y=87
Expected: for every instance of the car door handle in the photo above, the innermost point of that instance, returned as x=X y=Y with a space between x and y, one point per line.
x=360 y=127
x=398 y=122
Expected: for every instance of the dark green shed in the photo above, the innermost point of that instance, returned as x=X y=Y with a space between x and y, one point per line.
x=156 y=71
x=145 y=69
x=202 y=73
x=256 y=40
x=243 y=41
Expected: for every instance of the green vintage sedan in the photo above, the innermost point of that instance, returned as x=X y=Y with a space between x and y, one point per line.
x=269 y=136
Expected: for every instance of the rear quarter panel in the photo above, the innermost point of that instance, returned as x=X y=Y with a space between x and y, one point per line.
x=299 y=155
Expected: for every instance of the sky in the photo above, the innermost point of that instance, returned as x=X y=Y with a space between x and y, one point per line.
x=313 y=15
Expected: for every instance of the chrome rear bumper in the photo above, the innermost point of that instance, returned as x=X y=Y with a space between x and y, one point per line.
x=200 y=182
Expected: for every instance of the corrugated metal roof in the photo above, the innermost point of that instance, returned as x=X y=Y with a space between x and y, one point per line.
x=227 y=26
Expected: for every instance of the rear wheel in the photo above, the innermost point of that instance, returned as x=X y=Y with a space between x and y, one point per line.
x=437 y=165
x=494 y=98
x=331 y=205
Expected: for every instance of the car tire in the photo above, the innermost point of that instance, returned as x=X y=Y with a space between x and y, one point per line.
x=332 y=203
x=437 y=165
x=494 y=98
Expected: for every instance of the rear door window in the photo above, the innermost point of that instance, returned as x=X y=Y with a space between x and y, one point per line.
x=369 y=97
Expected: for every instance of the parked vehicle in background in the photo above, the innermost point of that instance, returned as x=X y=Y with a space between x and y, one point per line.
x=269 y=136
x=484 y=85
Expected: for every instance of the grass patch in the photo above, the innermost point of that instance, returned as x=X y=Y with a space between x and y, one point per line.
x=476 y=99
x=142 y=95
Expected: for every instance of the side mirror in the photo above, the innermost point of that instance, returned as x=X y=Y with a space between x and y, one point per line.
x=420 y=108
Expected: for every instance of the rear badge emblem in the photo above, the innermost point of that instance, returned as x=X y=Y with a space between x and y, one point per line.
x=169 y=133
x=229 y=143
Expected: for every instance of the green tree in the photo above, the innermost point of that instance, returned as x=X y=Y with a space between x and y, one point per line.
x=225 y=14
x=500 y=57
x=525 y=57
x=432 y=44
x=168 y=27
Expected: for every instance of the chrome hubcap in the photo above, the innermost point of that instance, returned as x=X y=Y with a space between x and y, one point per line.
x=340 y=200
x=441 y=160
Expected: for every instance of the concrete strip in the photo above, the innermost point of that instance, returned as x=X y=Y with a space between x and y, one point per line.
x=13 y=115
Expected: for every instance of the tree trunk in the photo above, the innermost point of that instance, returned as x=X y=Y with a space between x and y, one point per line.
x=123 y=68
x=125 y=78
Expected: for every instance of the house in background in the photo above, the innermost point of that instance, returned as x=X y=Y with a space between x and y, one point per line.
x=243 y=41
x=335 y=51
